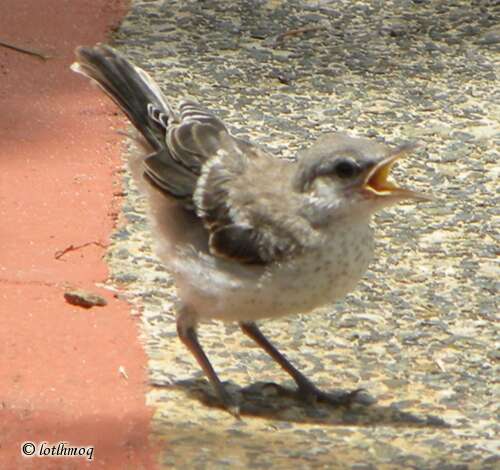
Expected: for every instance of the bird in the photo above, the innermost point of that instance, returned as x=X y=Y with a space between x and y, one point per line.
x=248 y=236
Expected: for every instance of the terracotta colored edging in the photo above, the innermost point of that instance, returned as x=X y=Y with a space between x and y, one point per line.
x=60 y=364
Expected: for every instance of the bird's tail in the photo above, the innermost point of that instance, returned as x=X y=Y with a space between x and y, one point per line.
x=130 y=87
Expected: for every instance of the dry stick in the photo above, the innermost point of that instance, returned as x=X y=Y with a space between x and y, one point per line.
x=24 y=50
x=60 y=253
x=296 y=32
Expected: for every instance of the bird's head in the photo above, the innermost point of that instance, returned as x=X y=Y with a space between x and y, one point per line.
x=348 y=176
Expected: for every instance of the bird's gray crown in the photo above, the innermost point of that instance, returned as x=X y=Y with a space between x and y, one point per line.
x=337 y=155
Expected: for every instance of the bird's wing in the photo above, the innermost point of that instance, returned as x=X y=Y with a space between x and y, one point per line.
x=191 y=139
x=244 y=200
x=239 y=191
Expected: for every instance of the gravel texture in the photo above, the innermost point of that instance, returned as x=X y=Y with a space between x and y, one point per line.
x=421 y=331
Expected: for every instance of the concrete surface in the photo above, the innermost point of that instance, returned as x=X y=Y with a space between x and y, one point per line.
x=419 y=333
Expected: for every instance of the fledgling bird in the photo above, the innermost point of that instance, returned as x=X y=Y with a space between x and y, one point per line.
x=248 y=236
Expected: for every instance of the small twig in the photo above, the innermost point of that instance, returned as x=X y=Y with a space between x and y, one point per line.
x=24 y=50
x=296 y=32
x=60 y=253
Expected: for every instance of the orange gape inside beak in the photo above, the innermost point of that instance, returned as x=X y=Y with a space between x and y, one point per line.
x=377 y=182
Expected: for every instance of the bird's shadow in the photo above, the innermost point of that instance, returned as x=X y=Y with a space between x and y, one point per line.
x=275 y=402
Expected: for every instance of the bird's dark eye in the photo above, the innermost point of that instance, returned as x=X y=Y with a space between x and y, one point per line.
x=346 y=169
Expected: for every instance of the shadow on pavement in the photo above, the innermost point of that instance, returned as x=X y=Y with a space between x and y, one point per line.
x=275 y=402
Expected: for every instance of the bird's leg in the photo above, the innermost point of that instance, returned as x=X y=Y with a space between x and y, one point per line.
x=186 y=329
x=307 y=391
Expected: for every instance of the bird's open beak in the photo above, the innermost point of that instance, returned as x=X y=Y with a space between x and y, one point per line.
x=376 y=182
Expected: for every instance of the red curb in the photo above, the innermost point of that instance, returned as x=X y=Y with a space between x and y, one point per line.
x=59 y=368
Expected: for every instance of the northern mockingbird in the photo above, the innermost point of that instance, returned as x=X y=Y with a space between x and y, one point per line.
x=248 y=236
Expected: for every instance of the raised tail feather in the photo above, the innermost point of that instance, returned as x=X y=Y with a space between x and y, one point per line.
x=140 y=98
x=130 y=87
x=182 y=143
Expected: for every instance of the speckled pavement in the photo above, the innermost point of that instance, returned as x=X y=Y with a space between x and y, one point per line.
x=421 y=331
